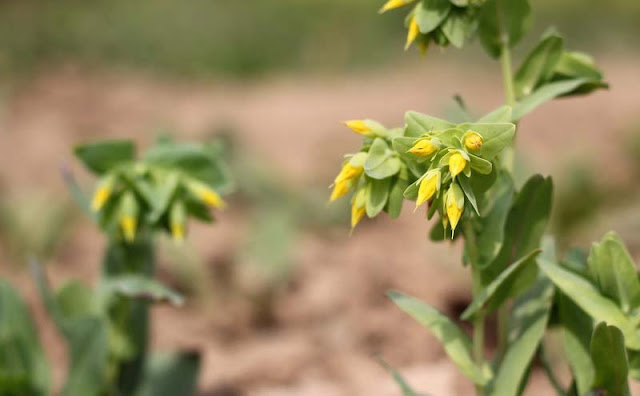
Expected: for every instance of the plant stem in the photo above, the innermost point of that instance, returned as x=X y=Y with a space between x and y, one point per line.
x=478 y=321
x=507 y=74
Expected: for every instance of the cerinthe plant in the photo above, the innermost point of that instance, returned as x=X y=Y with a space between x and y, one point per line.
x=462 y=172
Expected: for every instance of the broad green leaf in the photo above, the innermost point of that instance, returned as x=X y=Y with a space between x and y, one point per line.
x=588 y=297
x=430 y=14
x=464 y=183
x=544 y=94
x=496 y=137
x=23 y=364
x=377 y=195
x=609 y=360
x=163 y=195
x=411 y=193
x=480 y=165
x=527 y=325
x=577 y=64
x=500 y=115
x=398 y=378
x=498 y=291
x=634 y=364
x=577 y=328
x=388 y=168
x=105 y=155
x=421 y=124
x=396 y=195
x=171 y=374
x=139 y=287
x=378 y=153
x=539 y=65
x=456 y=343
x=456 y=27
x=503 y=20
x=493 y=220
x=614 y=271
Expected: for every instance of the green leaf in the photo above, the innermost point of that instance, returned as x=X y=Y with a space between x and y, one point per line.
x=480 y=165
x=577 y=328
x=388 y=168
x=171 y=374
x=577 y=64
x=609 y=360
x=139 y=287
x=378 y=153
x=23 y=364
x=430 y=14
x=544 y=94
x=463 y=181
x=496 y=137
x=588 y=297
x=456 y=27
x=75 y=299
x=396 y=195
x=527 y=325
x=163 y=195
x=500 y=115
x=398 y=378
x=508 y=20
x=491 y=237
x=377 y=195
x=539 y=65
x=103 y=156
x=498 y=291
x=421 y=124
x=456 y=343
x=614 y=272
x=634 y=364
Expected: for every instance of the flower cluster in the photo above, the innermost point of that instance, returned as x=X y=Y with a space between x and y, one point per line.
x=430 y=161
x=442 y=22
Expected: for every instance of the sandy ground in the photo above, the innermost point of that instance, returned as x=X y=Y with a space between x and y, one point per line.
x=332 y=319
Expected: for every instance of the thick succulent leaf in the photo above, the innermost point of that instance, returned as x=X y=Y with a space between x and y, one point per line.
x=377 y=195
x=421 y=124
x=539 y=65
x=577 y=328
x=430 y=14
x=456 y=343
x=396 y=194
x=610 y=360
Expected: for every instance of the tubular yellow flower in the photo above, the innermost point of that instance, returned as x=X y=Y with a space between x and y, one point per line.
x=177 y=232
x=423 y=147
x=392 y=4
x=339 y=190
x=128 y=224
x=429 y=185
x=357 y=213
x=102 y=193
x=412 y=35
x=177 y=220
x=206 y=194
x=473 y=141
x=457 y=163
x=348 y=172
x=454 y=205
x=358 y=126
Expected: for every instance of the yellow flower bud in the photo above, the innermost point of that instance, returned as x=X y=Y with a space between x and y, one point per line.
x=412 y=34
x=455 y=205
x=128 y=224
x=358 y=207
x=177 y=220
x=392 y=4
x=429 y=185
x=102 y=193
x=348 y=172
x=473 y=141
x=423 y=147
x=457 y=163
x=206 y=194
x=358 y=126
x=339 y=190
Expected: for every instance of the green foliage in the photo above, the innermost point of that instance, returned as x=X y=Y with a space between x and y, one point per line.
x=503 y=23
x=171 y=374
x=610 y=360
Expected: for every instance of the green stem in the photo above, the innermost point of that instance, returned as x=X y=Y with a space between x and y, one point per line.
x=544 y=360
x=478 y=321
x=507 y=74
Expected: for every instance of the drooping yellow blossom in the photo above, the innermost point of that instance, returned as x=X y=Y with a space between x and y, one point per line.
x=206 y=194
x=358 y=207
x=128 y=224
x=392 y=4
x=429 y=185
x=473 y=141
x=423 y=147
x=454 y=205
x=348 y=172
x=339 y=190
x=102 y=193
x=457 y=163
x=358 y=126
x=414 y=31
x=177 y=232
x=177 y=220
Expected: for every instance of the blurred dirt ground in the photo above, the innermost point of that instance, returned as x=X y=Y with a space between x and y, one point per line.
x=332 y=319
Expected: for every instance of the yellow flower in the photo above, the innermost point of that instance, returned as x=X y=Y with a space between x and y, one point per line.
x=177 y=220
x=455 y=205
x=358 y=207
x=340 y=189
x=473 y=141
x=102 y=193
x=412 y=35
x=423 y=147
x=392 y=4
x=206 y=194
x=429 y=185
x=348 y=172
x=177 y=232
x=128 y=224
x=457 y=163
x=358 y=126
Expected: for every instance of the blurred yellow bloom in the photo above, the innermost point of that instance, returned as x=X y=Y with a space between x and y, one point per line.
x=177 y=220
x=457 y=163
x=429 y=185
x=348 y=172
x=473 y=141
x=412 y=35
x=358 y=126
x=339 y=190
x=206 y=194
x=423 y=148
x=358 y=207
x=454 y=205
x=177 y=232
x=392 y=4
x=128 y=224
x=102 y=193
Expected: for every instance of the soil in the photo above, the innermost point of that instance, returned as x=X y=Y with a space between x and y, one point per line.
x=331 y=319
